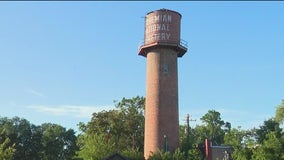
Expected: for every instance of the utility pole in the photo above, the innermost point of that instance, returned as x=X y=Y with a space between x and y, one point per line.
x=188 y=118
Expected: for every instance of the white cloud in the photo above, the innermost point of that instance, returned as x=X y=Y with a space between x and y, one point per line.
x=70 y=110
x=36 y=93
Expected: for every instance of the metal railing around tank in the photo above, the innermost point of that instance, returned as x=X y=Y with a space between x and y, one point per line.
x=182 y=42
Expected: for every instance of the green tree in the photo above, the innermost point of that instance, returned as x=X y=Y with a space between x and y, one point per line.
x=189 y=143
x=122 y=127
x=95 y=147
x=279 y=115
x=202 y=132
x=234 y=137
x=132 y=111
x=239 y=140
x=31 y=142
x=107 y=123
x=215 y=126
x=179 y=155
x=58 y=143
x=161 y=155
x=7 y=151
x=271 y=149
x=186 y=139
x=24 y=136
x=268 y=126
x=133 y=154
x=194 y=154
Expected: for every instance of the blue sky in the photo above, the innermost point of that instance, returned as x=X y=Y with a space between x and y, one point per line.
x=62 y=61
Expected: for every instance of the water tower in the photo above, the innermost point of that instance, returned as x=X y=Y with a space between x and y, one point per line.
x=162 y=46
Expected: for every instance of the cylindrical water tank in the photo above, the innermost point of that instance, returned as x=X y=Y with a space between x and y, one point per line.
x=162 y=26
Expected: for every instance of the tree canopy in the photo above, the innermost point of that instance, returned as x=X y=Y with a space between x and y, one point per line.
x=121 y=130
x=279 y=115
x=22 y=140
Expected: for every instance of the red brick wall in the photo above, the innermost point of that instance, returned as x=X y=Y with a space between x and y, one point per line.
x=161 y=114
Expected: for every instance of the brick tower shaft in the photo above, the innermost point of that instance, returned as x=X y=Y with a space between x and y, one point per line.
x=161 y=115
